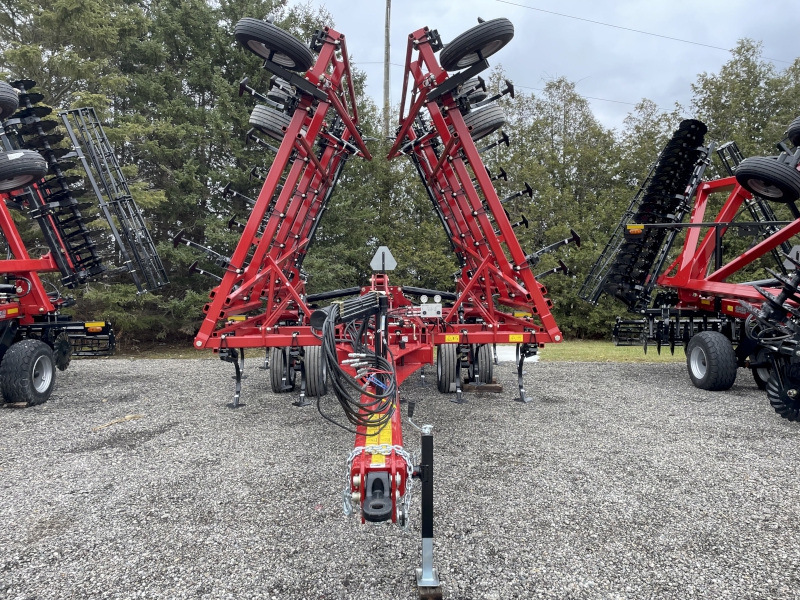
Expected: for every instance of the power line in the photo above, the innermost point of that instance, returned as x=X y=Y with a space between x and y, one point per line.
x=527 y=87
x=666 y=37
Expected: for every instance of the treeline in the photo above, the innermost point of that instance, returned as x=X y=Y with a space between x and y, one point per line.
x=164 y=75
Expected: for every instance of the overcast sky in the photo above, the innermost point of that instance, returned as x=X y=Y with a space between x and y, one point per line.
x=608 y=63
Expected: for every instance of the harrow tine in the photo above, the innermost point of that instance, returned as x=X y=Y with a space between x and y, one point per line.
x=218 y=258
x=523 y=221
x=227 y=191
x=503 y=140
x=509 y=90
x=533 y=258
x=528 y=190
x=244 y=87
x=193 y=268
x=254 y=174
x=252 y=136
x=561 y=268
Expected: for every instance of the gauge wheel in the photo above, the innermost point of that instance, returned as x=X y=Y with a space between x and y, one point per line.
x=769 y=178
x=475 y=44
x=27 y=373
x=485 y=121
x=793 y=132
x=447 y=367
x=711 y=361
x=273 y=43
x=482 y=368
x=282 y=374
x=9 y=100
x=19 y=168
x=269 y=121
x=316 y=371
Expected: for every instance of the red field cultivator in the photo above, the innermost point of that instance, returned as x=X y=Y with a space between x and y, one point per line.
x=37 y=180
x=371 y=338
x=708 y=300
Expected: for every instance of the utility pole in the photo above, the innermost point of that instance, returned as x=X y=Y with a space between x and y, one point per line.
x=386 y=99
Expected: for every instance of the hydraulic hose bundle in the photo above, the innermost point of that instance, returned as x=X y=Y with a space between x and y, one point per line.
x=375 y=379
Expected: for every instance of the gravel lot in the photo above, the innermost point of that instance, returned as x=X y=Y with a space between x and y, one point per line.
x=618 y=481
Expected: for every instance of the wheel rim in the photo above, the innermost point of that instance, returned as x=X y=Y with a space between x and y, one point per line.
x=270 y=54
x=486 y=51
x=42 y=374
x=698 y=362
x=763 y=188
x=16 y=182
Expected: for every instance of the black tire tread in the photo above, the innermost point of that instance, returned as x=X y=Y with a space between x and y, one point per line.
x=269 y=121
x=19 y=168
x=722 y=363
x=788 y=408
x=446 y=367
x=15 y=373
x=485 y=370
x=293 y=54
x=779 y=174
x=277 y=356
x=316 y=384
x=485 y=120
x=793 y=132
x=9 y=100
x=462 y=51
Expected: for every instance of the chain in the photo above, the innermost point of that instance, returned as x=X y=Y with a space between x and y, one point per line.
x=384 y=450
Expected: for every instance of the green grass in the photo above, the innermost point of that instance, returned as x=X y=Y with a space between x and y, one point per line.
x=606 y=351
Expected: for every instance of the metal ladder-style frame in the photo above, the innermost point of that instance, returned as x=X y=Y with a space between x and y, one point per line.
x=124 y=217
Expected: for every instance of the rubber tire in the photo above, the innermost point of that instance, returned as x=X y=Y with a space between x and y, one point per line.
x=446 y=367
x=758 y=171
x=316 y=372
x=277 y=358
x=269 y=121
x=477 y=95
x=263 y=38
x=18 y=371
x=487 y=38
x=793 y=132
x=62 y=351
x=485 y=120
x=9 y=100
x=720 y=361
x=483 y=368
x=19 y=168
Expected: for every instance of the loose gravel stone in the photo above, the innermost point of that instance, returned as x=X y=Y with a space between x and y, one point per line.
x=617 y=481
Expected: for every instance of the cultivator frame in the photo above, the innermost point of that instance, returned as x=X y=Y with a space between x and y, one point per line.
x=372 y=337
x=28 y=313
x=723 y=325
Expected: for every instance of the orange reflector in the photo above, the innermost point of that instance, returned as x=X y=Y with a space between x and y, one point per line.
x=94 y=329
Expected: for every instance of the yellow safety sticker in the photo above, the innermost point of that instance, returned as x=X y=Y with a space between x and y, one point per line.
x=705 y=301
x=376 y=437
x=13 y=311
x=94 y=324
x=237 y=318
x=452 y=338
x=516 y=337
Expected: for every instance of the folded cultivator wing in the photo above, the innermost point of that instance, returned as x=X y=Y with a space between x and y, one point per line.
x=365 y=344
x=38 y=177
x=723 y=324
